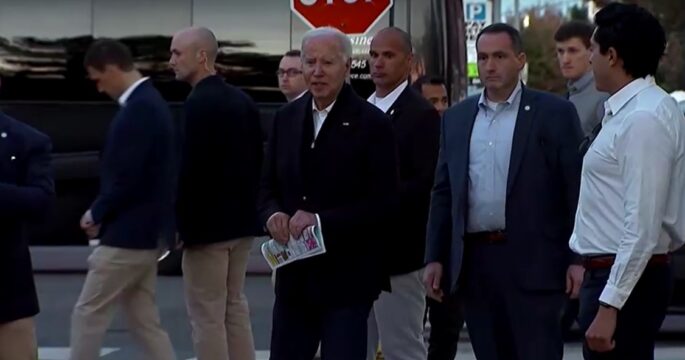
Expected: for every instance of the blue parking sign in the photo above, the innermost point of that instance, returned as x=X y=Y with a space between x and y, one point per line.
x=476 y=11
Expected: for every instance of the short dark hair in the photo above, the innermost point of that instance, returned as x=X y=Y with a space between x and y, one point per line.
x=427 y=80
x=499 y=28
x=104 y=52
x=635 y=34
x=293 y=53
x=575 y=29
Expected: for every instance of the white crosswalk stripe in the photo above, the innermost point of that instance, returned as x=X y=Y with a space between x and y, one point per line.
x=572 y=352
x=261 y=355
x=62 y=353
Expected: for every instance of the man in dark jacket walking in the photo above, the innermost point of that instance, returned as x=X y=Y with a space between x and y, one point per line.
x=26 y=188
x=216 y=209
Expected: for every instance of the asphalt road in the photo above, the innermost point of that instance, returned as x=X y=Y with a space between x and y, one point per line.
x=58 y=293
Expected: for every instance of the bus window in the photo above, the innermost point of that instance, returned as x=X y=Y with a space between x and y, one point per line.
x=134 y=18
x=252 y=41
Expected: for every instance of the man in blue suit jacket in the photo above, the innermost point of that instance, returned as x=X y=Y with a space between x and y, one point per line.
x=503 y=205
x=133 y=211
x=26 y=189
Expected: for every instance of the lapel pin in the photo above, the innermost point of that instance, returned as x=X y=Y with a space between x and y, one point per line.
x=3 y=135
x=392 y=111
x=527 y=108
x=12 y=158
x=346 y=124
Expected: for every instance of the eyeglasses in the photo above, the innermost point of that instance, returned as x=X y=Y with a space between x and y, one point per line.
x=290 y=72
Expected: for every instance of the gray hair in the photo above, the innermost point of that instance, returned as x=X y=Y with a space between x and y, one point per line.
x=343 y=40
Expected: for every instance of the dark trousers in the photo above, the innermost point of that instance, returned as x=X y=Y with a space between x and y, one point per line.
x=298 y=329
x=504 y=321
x=447 y=320
x=639 y=320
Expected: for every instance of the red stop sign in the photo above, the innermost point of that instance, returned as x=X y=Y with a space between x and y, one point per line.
x=353 y=17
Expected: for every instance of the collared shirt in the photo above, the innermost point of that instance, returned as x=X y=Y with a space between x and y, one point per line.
x=632 y=192
x=489 y=155
x=320 y=116
x=124 y=97
x=386 y=102
x=589 y=101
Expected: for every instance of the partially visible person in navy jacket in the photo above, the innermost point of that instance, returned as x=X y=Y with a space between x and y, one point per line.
x=26 y=190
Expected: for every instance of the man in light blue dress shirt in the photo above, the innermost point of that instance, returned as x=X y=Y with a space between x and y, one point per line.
x=502 y=208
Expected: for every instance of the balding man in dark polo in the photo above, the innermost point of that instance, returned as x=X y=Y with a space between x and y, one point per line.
x=216 y=206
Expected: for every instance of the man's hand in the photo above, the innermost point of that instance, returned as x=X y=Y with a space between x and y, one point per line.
x=93 y=231
x=300 y=221
x=574 y=280
x=431 y=280
x=600 y=335
x=88 y=225
x=87 y=220
x=278 y=227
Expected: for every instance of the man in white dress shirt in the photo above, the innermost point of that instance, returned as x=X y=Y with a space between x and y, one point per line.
x=632 y=197
x=416 y=124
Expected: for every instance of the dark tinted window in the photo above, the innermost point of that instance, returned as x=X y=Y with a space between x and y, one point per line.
x=252 y=39
x=42 y=43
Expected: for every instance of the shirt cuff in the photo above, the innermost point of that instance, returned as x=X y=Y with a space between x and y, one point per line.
x=614 y=296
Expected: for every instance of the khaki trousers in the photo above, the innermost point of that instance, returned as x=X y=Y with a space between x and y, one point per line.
x=396 y=320
x=126 y=277
x=18 y=340
x=214 y=278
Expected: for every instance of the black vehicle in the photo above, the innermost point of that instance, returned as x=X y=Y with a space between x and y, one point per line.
x=42 y=44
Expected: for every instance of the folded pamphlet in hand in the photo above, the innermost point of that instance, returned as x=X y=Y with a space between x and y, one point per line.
x=309 y=244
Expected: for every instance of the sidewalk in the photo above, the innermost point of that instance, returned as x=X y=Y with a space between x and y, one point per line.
x=465 y=352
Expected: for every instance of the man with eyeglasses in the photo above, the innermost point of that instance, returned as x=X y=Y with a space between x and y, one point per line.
x=290 y=82
x=292 y=85
x=290 y=78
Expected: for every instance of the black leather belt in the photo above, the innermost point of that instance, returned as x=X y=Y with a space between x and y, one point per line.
x=607 y=261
